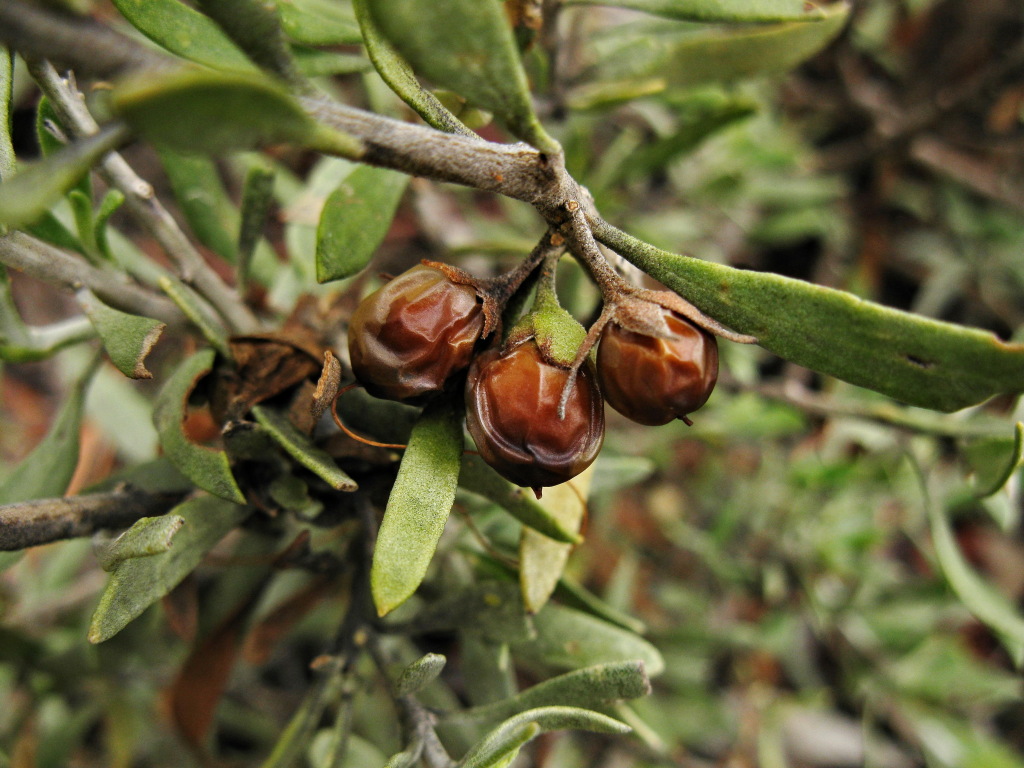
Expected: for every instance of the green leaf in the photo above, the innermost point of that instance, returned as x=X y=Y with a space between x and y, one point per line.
x=467 y=46
x=7 y=158
x=588 y=687
x=479 y=478
x=724 y=11
x=418 y=507
x=207 y=468
x=509 y=737
x=302 y=449
x=420 y=673
x=112 y=200
x=147 y=537
x=127 y=338
x=569 y=639
x=319 y=22
x=395 y=71
x=257 y=197
x=25 y=196
x=920 y=361
x=355 y=219
x=980 y=598
x=205 y=111
x=203 y=200
x=542 y=560
x=995 y=460
x=195 y=309
x=492 y=609
x=687 y=58
x=47 y=470
x=138 y=583
x=185 y=32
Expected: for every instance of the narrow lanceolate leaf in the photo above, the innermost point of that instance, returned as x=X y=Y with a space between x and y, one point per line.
x=508 y=738
x=594 y=642
x=7 y=159
x=205 y=111
x=541 y=559
x=588 y=687
x=685 y=58
x=723 y=11
x=319 y=22
x=477 y=477
x=127 y=338
x=207 y=468
x=147 y=537
x=185 y=32
x=420 y=673
x=981 y=599
x=922 y=362
x=467 y=46
x=48 y=469
x=995 y=460
x=418 y=507
x=200 y=192
x=355 y=219
x=400 y=78
x=25 y=196
x=139 y=582
x=302 y=449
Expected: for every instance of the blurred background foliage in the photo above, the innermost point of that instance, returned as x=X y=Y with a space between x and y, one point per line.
x=829 y=579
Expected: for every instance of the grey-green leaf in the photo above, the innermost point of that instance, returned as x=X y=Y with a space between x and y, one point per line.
x=25 y=196
x=204 y=201
x=981 y=598
x=995 y=460
x=302 y=449
x=147 y=537
x=420 y=673
x=355 y=219
x=207 y=468
x=541 y=559
x=467 y=46
x=510 y=736
x=724 y=11
x=477 y=477
x=917 y=360
x=206 y=111
x=48 y=469
x=395 y=71
x=7 y=158
x=184 y=31
x=138 y=583
x=588 y=687
x=127 y=338
x=319 y=22
x=569 y=639
x=686 y=58
x=418 y=507
x=491 y=609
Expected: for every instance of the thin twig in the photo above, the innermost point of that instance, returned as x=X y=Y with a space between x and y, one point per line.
x=144 y=205
x=31 y=523
x=54 y=266
x=79 y=43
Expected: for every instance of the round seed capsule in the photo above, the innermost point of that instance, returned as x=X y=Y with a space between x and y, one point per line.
x=512 y=414
x=415 y=333
x=655 y=380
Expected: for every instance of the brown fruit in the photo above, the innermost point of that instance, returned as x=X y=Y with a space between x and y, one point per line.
x=407 y=339
x=654 y=380
x=512 y=414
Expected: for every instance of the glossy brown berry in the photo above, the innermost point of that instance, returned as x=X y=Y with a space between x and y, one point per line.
x=512 y=414
x=407 y=339
x=654 y=380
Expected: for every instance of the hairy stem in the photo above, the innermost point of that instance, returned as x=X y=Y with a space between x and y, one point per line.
x=54 y=266
x=143 y=204
x=31 y=523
